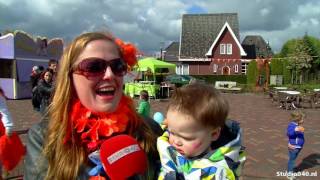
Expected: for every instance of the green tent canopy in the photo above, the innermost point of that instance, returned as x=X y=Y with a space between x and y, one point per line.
x=154 y=64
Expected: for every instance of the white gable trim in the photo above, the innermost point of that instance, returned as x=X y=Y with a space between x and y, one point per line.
x=226 y=25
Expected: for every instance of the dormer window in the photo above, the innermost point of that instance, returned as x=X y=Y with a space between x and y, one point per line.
x=222 y=48
x=229 y=49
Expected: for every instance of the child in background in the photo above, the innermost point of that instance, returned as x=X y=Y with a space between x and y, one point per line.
x=198 y=142
x=144 y=105
x=295 y=133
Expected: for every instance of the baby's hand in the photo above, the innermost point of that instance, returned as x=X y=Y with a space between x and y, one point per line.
x=299 y=128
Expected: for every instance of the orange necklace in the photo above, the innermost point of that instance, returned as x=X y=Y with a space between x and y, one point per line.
x=93 y=127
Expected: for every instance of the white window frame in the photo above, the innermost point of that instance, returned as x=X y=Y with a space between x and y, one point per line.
x=222 y=48
x=178 y=69
x=185 y=69
x=215 y=68
x=244 y=67
x=229 y=49
x=236 y=68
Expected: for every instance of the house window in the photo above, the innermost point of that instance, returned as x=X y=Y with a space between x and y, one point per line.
x=236 y=68
x=182 y=69
x=215 y=68
x=185 y=69
x=229 y=48
x=222 y=48
x=178 y=69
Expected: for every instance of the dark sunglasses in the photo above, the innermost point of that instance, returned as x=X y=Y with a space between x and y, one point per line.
x=96 y=67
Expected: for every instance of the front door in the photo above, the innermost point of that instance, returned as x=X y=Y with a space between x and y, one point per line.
x=225 y=70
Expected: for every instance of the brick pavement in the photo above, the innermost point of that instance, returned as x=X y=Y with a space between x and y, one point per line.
x=264 y=133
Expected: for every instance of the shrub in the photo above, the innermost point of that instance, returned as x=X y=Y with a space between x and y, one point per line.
x=252 y=73
x=276 y=67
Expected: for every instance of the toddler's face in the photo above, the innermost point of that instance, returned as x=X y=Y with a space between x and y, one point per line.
x=187 y=135
x=301 y=121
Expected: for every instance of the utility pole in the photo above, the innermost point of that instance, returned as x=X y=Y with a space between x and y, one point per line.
x=161 y=50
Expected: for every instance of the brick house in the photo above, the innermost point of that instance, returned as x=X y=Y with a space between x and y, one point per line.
x=256 y=47
x=209 y=45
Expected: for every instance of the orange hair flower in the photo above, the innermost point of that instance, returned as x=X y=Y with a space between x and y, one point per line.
x=129 y=52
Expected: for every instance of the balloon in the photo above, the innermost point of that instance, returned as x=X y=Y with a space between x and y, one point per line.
x=158 y=117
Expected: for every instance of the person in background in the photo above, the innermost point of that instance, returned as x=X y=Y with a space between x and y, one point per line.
x=53 y=66
x=34 y=79
x=6 y=126
x=88 y=107
x=198 y=142
x=144 y=105
x=35 y=75
x=45 y=89
x=295 y=133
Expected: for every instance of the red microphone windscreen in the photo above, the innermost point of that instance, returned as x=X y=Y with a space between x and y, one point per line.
x=122 y=157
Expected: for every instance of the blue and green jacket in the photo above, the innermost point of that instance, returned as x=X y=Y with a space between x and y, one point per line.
x=225 y=161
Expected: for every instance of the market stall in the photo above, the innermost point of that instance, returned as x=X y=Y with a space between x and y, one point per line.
x=150 y=73
x=19 y=52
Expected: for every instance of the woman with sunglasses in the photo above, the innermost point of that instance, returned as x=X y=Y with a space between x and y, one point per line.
x=88 y=107
x=44 y=89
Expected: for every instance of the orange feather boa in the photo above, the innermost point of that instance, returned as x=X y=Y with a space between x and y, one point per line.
x=93 y=127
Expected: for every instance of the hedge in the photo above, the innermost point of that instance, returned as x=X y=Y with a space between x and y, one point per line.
x=252 y=73
x=286 y=72
x=276 y=67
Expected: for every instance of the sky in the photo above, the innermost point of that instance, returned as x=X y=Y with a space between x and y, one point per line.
x=152 y=24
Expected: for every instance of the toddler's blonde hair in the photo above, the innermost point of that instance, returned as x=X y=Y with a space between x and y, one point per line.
x=297 y=115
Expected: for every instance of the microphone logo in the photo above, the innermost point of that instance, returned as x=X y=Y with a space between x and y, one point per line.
x=123 y=152
x=122 y=157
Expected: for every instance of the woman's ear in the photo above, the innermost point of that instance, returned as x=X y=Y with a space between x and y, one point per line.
x=215 y=133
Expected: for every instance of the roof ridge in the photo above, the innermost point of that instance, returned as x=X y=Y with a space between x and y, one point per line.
x=209 y=14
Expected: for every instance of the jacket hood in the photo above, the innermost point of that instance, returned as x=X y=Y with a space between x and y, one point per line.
x=231 y=149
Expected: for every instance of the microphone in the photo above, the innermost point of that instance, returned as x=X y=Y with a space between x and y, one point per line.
x=122 y=157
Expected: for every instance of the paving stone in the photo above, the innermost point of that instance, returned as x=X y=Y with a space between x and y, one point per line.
x=264 y=132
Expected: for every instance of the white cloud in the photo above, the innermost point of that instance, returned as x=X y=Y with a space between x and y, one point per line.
x=264 y=12
x=149 y=22
x=309 y=9
x=314 y=21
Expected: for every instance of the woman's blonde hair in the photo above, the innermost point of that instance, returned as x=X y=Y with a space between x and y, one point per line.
x=65 y=160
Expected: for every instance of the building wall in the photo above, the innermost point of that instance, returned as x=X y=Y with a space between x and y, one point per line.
x=207 y=68
x=226 y=38
x=199 y=68
x=230 y=63
x=221 y=60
